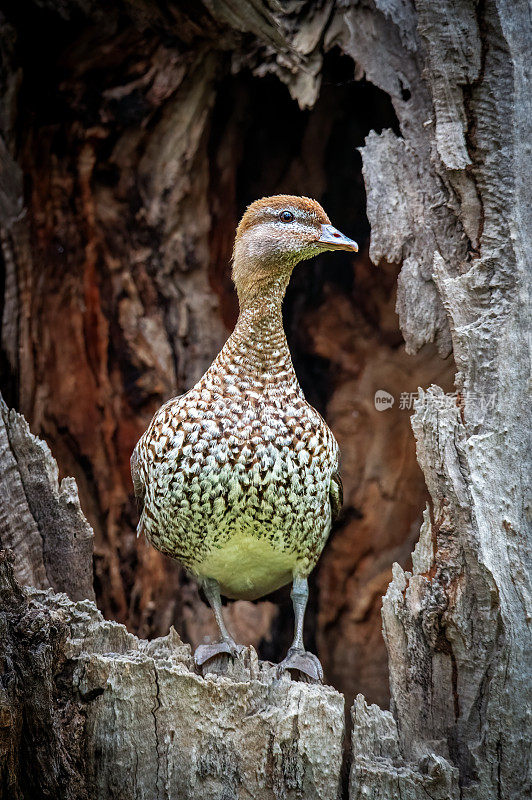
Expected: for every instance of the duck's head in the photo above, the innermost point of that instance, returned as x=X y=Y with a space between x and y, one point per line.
x=275 y=234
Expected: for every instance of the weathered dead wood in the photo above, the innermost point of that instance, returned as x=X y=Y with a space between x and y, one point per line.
x=457 y=627
x=40 y=718
x=448 y=198
x=89 y=710
x=41 y=521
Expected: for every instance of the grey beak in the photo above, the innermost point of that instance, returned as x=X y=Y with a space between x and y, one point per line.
x=331 y=239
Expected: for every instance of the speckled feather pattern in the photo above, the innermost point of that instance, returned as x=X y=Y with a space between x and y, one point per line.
x=238 y=474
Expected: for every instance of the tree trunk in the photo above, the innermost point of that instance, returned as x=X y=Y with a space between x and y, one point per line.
x=133 y=139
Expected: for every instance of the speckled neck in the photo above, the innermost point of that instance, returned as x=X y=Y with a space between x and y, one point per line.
x=257 y=349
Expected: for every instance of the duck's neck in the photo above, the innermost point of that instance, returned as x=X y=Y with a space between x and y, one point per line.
x=257 y=348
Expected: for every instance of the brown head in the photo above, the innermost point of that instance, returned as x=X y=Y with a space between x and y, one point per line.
x=275 y=234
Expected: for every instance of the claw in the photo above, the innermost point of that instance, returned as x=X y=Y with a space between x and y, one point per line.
x=204 y=652
x=304 y=662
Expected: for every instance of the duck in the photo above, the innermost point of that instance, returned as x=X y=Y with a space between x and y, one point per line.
x=238 y=478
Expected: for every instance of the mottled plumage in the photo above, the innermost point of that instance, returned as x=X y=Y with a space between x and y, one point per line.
x=238 y=478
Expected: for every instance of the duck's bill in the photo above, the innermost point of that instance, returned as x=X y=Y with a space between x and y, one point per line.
x=331 y=239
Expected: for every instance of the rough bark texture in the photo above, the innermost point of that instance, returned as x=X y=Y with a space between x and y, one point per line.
x=41 y=521
x=90 y=711
x=114 y=262
x=39 y=732
x=457 y=627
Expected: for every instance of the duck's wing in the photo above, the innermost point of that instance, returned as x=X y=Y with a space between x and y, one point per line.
x=136 y=475
x=138 y=487
x=336 y=494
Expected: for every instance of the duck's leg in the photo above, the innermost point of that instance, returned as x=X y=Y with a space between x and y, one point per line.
x=227 y=644
x=297 y=657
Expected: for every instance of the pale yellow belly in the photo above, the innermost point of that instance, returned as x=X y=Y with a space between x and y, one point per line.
x=247 y=567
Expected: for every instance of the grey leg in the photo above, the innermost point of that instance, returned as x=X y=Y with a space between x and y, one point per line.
x=227 y=644
x=297 y=657
x=299 y=595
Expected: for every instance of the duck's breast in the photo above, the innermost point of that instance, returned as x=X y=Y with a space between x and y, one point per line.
x=248 y=567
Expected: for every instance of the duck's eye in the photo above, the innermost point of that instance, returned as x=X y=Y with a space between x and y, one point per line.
x=286 y=216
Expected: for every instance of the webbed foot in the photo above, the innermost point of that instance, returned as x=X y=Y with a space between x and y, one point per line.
x=304 y=662
x=204 y=652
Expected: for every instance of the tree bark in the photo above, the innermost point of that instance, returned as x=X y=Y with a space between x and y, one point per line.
x=113 y=263
x=92 y=712
x=457 y=628
x=41 y=522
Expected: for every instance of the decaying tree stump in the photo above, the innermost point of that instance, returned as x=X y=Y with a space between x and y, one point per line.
x=88 y=710
x=92 y=711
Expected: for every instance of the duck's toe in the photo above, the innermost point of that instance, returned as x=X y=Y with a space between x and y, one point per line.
x=303 y=662
x=204 y=652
